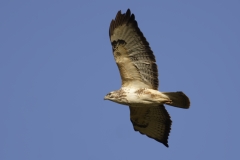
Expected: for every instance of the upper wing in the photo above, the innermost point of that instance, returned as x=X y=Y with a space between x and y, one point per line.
x=132 y=53
x=154 y=122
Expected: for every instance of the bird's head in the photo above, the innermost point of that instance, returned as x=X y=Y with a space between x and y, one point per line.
x=110 y=96
x=117 y=96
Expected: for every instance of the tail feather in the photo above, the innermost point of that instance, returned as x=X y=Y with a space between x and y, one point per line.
x=179 y=99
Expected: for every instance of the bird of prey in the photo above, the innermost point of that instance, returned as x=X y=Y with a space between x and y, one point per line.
x=139 y=74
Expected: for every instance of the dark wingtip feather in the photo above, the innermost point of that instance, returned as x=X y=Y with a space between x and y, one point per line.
x=164 y=141
x=120 y=19
x=128 y=13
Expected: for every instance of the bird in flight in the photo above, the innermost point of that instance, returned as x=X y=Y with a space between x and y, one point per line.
x=139 y=73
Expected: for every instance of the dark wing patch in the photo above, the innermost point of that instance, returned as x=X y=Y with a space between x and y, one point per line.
x=154 y=122
x=132 y=52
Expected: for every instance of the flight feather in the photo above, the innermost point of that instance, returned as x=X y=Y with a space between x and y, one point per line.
x=132 y=53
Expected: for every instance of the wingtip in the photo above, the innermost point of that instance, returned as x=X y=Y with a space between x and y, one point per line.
x=119 y=12
x=164 y=142
x=166 y=145
x=120 y=19
x=128 y=11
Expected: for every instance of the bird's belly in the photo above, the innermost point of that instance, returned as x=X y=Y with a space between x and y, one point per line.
x=136 y=100
x=143 y=97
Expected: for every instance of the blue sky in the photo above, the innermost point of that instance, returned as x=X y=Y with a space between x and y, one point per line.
x=56 y=66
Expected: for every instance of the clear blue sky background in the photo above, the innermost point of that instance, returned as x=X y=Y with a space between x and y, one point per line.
x=56 y=65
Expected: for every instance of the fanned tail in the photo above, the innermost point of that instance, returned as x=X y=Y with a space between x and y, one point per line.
x=179 y=99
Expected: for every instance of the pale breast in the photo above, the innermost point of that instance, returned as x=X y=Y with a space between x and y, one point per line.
x=144 y=96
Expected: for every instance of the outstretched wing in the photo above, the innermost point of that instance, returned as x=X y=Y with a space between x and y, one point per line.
x=134 y=57
x=154 y=122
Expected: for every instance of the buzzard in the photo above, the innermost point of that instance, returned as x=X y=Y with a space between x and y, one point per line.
x=139 y=74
